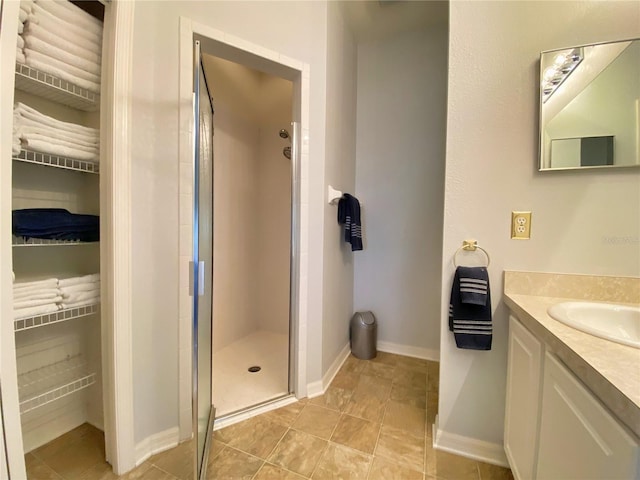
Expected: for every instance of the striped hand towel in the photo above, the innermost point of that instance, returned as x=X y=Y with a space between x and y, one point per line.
x=470 y=309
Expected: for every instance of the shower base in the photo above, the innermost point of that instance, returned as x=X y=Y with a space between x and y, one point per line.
x=234 y=387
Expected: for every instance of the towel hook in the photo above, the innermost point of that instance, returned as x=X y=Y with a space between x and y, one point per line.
x=470 y=246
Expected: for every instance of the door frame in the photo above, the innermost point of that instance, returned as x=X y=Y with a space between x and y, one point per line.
x=230 y=47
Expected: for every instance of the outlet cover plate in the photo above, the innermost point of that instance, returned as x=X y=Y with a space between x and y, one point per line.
x=521 y=225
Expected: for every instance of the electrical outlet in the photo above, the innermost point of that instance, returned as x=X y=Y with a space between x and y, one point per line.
x=521 y=225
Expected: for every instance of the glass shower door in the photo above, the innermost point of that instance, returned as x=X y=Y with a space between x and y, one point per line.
x=203 y=410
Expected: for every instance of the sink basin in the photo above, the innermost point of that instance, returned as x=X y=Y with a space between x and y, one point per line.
x=617 y=323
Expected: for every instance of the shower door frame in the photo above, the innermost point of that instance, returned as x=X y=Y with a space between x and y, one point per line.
x=220 y=44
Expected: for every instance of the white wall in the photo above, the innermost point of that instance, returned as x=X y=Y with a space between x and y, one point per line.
x=402 y=95
x=297 y=29
x=340 y=173
x=492 y=130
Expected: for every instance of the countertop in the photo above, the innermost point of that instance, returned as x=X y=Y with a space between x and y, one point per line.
x=610 y=370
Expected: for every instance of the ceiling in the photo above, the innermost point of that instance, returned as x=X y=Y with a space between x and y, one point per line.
x=379 y=19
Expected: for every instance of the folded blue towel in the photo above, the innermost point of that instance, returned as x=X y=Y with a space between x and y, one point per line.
x=349 y=215
x=55 y=224
x=470 y=309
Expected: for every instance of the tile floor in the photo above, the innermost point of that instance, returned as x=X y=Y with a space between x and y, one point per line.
x=374 y=422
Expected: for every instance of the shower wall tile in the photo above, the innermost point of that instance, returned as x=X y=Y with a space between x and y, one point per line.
x=186 y=178
x=186 y=209
x=185 y=240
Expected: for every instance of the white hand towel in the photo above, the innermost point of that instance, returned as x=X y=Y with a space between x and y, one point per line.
x=20 y=41
x=33 y=114
x=16 y=146
x=20 y=28
x=81 y=296
x=28 y=137
x=52 y=51
x=20 y=58
x=46 y=19
x=60 y=150
x=44 y=65
x=26 y=127
x=26 y=4
x=33 y=311
x=52 y=38
x=91 y=278
x=81 y=287
x=46 y=283
x=37 y=294
x=23 y=15
x=68 y=12
x=36 y=303
x=75 y=71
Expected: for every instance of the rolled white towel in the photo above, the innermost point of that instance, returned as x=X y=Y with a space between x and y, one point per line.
x=33 y=311
x=47 y=20
x=26 y=138
x=16 y=146
x=81 y=296
x=45 y=283
x=52 y=38
x=23 y=15
x=20 y=28
x=20 y=58
x=27 y=4
x=91 y=278
x=69 y=12
x=75 y=71
x=52 y=51
x=52 y=67
x=37 y=294
x=27 y=127
x=33 y=114
x=60 y=150
x=36 y=302
x=20 y=41
x=81 y=287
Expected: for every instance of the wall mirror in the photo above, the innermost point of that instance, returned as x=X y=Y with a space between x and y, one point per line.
x=590 y=106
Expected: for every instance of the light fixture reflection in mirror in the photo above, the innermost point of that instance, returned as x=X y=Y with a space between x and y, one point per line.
x=590 y=106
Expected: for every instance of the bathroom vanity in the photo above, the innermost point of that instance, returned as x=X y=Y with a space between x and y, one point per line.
x=573 y=399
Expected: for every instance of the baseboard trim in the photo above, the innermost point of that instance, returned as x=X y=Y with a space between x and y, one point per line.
x=156 y=443
x=409 y=351
x=315 y=389
x=469 y=447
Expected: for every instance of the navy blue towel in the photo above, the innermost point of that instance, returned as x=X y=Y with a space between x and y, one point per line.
x=55 y=224
x=349 y=215
x=470 y=308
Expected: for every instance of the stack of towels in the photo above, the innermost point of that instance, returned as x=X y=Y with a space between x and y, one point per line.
x=33 y=130
x=55 y=224
x=63 y=40
x=25 y=9
x=51 y=295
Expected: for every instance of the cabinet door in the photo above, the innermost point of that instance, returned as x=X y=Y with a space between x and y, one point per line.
x=522 y=403
x=579 y=439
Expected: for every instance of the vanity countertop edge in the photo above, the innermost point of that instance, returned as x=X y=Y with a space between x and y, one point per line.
x=610 y=370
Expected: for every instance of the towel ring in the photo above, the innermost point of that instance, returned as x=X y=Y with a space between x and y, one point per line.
x=470 y=246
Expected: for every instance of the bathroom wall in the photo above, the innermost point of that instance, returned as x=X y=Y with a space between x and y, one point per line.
x=296 y=29
x=402 y=91
x=340 y=173
x=583 y=222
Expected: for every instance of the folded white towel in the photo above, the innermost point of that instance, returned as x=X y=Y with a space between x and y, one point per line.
x=52 y=38
x=37 y=294
x=44 y=65
x=16 y=146
x=75 y=71
x=81 y=296
x=26 y=127
x=52 y=51
x=36 y=302
x=33 y=311
x=20 y=58
x=27 y=138
x=91 y=278
x=54 y=23
x=23 y=15
x=20 y=28
x=26 y=4
x=60 y=150
x=81 y=287
x=33 y=114
x=20 y=41
x=45 y=283
x=68 y=12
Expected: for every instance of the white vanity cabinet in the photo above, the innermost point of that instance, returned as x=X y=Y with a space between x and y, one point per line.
x=555 y=428
x=578 y=438
x=522 y=410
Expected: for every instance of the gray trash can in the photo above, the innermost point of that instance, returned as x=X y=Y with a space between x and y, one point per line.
x=364 y=331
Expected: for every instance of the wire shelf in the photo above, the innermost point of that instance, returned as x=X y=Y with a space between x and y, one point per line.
x=49 y=383
x=56 y=317
x=31 y=80
x=49 y=160
x=45 y=242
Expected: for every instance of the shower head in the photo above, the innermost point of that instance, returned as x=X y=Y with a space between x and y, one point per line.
x=286 y=151
x=284 y=133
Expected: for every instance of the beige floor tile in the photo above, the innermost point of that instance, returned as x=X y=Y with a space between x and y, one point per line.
x=317 y=421
x=379 y=387
x=177 y=461
x=379 y=370
x=38 y=470
x=146 y=471
x=385 y=470
x=398 y=447
x=409 y=378
x=74 y=459
x=433 y=374
x=285 y=415
x=272 y=472
x=346 y=381
x=353 y=365
x=334 y=398
x=54 y=447
x=447 y=466
x=366 y=405
x=298 y=452
x=386 y=358
x=405 y=417
x=233 y=464
x=215 y=449
x=340 y=462
x=356 y=433
x=257 y=436
x=432 y=410
x=494 y=472
x=416 y=397
x=415 y=364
